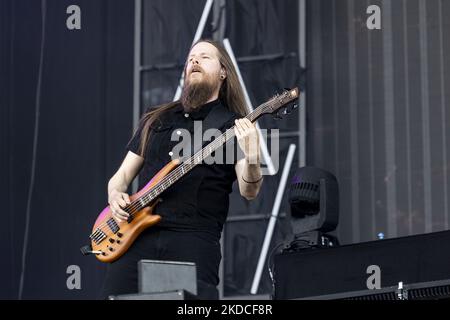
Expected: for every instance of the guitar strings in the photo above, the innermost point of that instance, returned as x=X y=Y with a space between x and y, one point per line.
x=216 y=143
x=177 y=173
x=134 y=206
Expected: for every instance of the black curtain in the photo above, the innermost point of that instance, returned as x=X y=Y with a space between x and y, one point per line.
x=378 y=113
x=85 y=121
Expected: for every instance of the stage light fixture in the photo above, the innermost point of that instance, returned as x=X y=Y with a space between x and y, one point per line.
x=314 y=204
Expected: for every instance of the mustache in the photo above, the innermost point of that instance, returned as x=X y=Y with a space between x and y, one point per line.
x=196 y=68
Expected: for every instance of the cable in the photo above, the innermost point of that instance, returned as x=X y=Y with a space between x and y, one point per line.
x=270 y=264
x=35 y=141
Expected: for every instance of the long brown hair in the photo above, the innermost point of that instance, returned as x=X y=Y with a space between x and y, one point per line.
x=230 y=94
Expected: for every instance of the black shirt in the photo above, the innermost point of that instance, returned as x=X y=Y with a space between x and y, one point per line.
x=200 y=199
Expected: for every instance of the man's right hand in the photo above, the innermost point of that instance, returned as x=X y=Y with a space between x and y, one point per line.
x=118 y=200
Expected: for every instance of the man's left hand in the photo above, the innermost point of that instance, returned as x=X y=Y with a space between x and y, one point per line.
x=248 y=139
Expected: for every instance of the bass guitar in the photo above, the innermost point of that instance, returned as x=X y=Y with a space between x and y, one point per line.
x=111 y=239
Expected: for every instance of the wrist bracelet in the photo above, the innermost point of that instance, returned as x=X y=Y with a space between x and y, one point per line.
x=252 y=181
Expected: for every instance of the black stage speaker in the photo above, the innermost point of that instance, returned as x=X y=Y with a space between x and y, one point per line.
x=168 y=295
x=318 y=272
x=162 y=276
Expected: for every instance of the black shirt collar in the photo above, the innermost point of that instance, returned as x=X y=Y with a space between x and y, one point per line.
x=201 y=112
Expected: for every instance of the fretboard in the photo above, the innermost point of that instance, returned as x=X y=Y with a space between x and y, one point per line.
x=189 y=164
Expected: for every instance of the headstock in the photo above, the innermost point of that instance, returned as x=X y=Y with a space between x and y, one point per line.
x=280 y=104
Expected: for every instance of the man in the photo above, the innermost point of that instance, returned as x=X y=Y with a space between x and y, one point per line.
x=194 y=209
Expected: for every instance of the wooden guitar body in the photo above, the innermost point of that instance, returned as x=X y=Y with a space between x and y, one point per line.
x=113 y=238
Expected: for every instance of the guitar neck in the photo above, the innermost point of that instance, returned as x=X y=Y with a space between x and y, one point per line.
x=187 y=165
x=193 y=161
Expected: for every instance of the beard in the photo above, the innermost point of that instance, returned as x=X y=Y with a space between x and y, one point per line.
x=197 y=93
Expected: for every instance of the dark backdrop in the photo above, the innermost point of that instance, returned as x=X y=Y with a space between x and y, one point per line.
x=378 y=111
x=376 y=105
x=85 y=120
